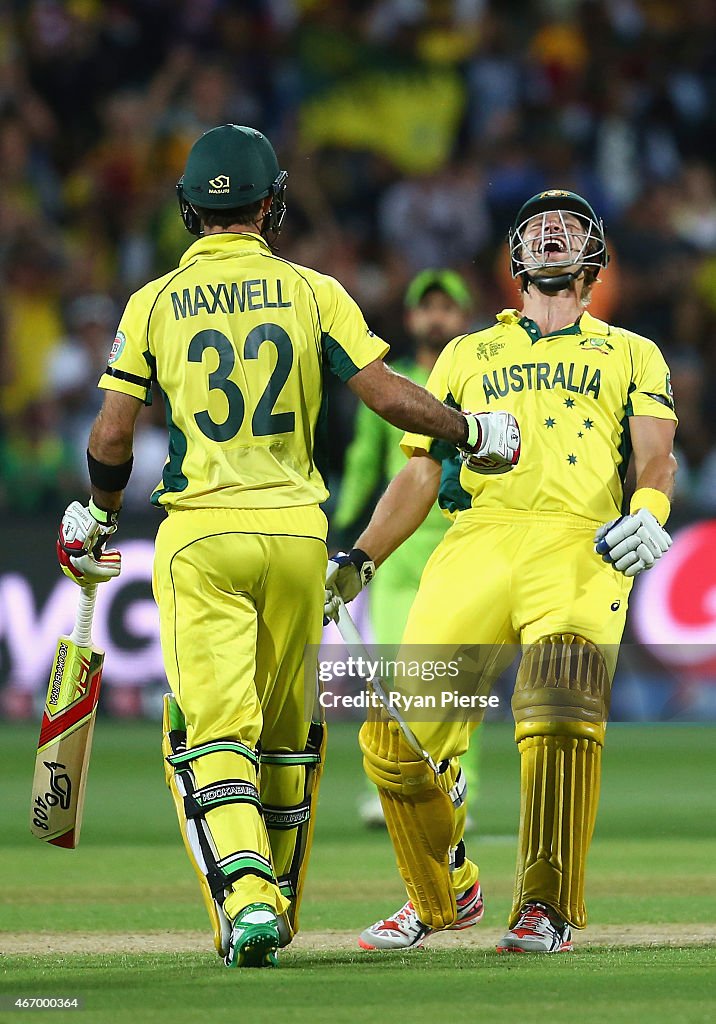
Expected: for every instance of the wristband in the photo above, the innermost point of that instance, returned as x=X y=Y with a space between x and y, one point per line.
x=473 y=432
x=653 y=501
x=109 y=478
x=363 y=563
x=105 y=516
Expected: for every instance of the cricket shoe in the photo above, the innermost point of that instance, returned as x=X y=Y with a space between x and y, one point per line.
x=537 y=932
x=254 y=938
x=405 y=930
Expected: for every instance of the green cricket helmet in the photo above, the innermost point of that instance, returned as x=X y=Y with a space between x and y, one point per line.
x=533 y=260
x=229 y=167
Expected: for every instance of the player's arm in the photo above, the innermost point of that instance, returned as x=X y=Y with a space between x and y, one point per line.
x=355 y=355
x=635 y=542
x=84 y=531
x=110 y=447
x=653 y=443
x=402 y=509
x=409 y=406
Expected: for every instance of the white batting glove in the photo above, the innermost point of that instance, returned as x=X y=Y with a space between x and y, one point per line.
x=633 y=543
x=346 y=575
x=498 y=444
x=80 y=546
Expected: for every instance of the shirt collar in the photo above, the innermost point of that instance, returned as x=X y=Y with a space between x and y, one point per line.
x=224 y=243
x=588 y=324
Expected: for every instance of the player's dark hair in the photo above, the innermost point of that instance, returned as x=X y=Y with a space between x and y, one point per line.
x=225 y=218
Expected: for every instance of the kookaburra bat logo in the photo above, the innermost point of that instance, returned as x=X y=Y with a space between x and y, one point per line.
x=60 y=784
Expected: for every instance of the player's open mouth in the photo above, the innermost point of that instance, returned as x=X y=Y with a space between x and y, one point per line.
x=554 y=245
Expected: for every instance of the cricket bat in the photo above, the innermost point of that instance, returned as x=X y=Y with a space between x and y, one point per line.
x=352 y=638
x=65 y=744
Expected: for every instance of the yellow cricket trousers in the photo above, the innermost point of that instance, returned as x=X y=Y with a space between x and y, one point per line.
x=240 y=595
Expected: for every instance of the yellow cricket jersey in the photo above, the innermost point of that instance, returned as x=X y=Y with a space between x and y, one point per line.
x=238 y=340
x=572 y=392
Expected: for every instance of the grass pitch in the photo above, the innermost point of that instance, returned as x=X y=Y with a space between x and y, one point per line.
x=651 y=891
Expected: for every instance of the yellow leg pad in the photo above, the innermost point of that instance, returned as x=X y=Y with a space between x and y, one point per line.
x=560 y=705
x=559 y=798
x=291 y=782
x=170 y=722
x=420 y=818
x=388 y=760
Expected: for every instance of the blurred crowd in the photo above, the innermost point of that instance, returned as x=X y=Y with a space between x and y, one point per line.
x=412 y=131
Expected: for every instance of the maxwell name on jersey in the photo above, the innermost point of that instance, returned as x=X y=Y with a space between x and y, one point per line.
x=582 y=380
x=257 y=293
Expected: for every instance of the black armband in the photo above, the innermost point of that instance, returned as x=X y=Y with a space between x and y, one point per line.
x=109 y=478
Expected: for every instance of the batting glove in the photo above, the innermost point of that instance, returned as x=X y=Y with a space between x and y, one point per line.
x=632 y=543
x=346 y=575
x=80 y=544
x=497 y=445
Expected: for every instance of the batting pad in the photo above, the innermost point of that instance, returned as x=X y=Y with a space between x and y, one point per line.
x=560 y=704
x=289 y=776
x=220 y=867
x=173 y=741
x=420 y=817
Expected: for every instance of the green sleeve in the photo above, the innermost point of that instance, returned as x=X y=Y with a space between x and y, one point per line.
x=363 y=467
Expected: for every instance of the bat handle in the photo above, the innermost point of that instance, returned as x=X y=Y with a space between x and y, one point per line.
x=351 y=635
x=82 y=632
x=349 y=630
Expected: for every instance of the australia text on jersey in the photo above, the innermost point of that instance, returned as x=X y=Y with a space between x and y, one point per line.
x=257 y=293
x=582 y=380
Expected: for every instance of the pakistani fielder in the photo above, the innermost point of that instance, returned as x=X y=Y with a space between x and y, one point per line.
x=237 y=341
x=543 y=556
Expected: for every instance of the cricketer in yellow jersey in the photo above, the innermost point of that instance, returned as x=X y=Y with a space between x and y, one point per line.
x=438 y=305
x=520 y=566
x=237 y=340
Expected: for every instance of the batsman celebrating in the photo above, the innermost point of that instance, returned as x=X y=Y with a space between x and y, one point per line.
x=543 y=556
x=237 y=341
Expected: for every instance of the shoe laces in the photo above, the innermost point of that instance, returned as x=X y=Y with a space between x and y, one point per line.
x=533 y=916
x=405 y=914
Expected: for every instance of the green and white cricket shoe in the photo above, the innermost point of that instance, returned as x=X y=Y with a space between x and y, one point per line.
x=254 y=938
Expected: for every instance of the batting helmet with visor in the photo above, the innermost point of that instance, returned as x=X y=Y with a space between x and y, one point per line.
x=535 y=254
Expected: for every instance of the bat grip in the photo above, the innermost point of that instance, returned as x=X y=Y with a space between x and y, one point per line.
x=82 y=632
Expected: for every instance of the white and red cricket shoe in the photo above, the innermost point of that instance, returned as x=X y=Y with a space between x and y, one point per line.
x=405 y=930
x=537 y=932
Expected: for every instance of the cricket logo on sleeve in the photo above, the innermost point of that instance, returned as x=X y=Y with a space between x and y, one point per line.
x=117 y=347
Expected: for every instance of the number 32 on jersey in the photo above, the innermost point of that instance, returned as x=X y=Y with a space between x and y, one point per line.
x=264 y=420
